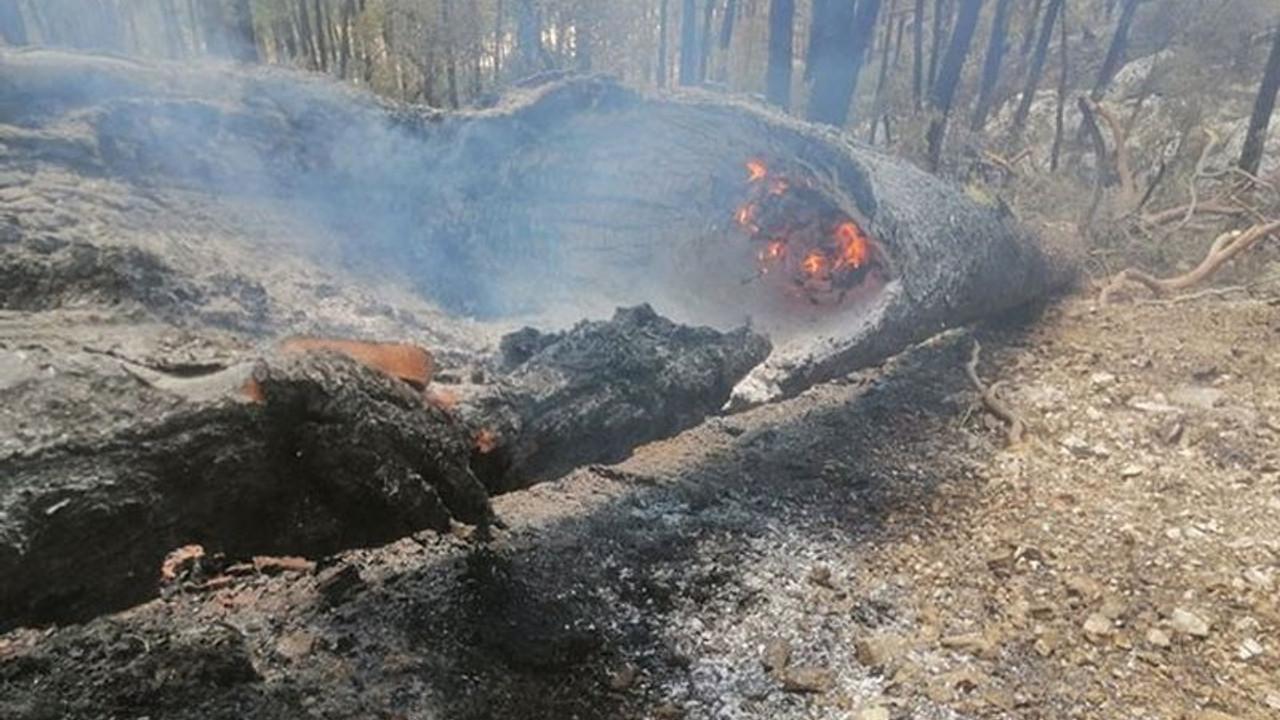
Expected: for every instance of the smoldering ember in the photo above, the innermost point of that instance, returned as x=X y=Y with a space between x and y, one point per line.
x=696 y=359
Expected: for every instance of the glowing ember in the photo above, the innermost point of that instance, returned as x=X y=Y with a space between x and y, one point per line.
x=813 y=250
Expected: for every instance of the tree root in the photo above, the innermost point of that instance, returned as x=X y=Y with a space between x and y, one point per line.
x=991 y=401
x=1224 y=248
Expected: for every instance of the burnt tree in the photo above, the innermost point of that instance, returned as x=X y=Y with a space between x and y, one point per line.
x=663 y=51
x=1063 y=88
x=917 y=60
x=838 y=60
x=726 y=28
x=941 y=24
x=997 y=46
x=689 y=43
x=1037 y=65
x=12 y=29
x=1029 y=30
x=528 y=37
x=1117 y=50
x=704 y=47
x=944 y=88
x=782 y=15
x=1264 y=105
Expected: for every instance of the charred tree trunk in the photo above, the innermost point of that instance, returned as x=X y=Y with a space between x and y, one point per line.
x=450 y=53
x=1116 y=53
x=941 y=25
x=1063 y=88
x=708 y=32
x=664 y=19
x=996 y=49
x=726 y=28
x=689 y=43
x=1037 y=66
x=1029 y=29
x=917 y=60
x=881 y=83
x=838 y=64
x=529 y=37
x=944 y=90
x=12 y=28
x=242 y=41
x=320 y=33
x=1263 y=107
x=781 y=49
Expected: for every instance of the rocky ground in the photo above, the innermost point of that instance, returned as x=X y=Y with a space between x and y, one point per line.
x=870 y=549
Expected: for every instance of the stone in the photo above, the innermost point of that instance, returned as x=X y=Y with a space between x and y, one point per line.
x=1213 y=715
x=268 y=565
x=777 y=655
x=1131 y=471
x=975 y=644
x=1189 y=623
x=808 y=679
x=1260 y=579
x=820 y=575
x=295 y=645
x=1249 y=649
x=1097 y=626
x=1158 y=638
x=624 y=678
x=879 y=651
x=874 y=712
x=1102 y=379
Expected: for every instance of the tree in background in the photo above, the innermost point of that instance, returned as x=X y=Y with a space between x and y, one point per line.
x=944 y=89
x=1037 y=66
x=843 y=36
x=689 y=43
x=1263 y=107
x=1117 y=51
x=782 y=15
x=13 y=30
x=997 y=46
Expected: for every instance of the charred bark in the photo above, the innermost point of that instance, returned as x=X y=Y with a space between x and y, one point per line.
x=838 y=60
x=13 y=31
x=1117 y=51
x=944 y=91
x=917 y=55
x=689 y=43
x=664 y=15
x=1263 y=108
x=996 y=49
x=1037 y=66
x=781 y=48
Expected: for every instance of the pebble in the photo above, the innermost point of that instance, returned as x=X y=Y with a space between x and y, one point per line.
x=1272 y=700
x=878 y=651
x=973 y=643
x=1188 y=623
x=1201 y=398
x=1097 y=626
x=1158 y=638
x=624 y=678
x=1249 y=649
x=808 y=679
x=1260 y=579
x=777 y=655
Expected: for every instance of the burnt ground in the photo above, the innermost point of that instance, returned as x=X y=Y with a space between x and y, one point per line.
x=869 y=549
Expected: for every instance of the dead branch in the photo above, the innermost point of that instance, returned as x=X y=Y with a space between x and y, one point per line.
x=1123 y=165
x=990 y=401
x=1224 y=248
x=1183 y=212
x=1194 y=182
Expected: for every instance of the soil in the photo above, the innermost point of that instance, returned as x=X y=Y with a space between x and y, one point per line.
x=868 y=549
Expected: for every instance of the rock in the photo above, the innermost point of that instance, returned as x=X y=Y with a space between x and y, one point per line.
x=295 y=645
x=1188 y=623
x=624 y=678
x=1101 y=380
x=1249 y=649
x=777 y=655
x=1272 y=700
x=1260 y=579
x=668 y=711
x=1083 y=586
x=874 y=712
x=1158 y=638
x=878 y=651
x=1213 y=715
x=1097 y=626
x=808 y=679
x=1131 y=471
x=338 y=584
x=1199 y=398
x=975 y=644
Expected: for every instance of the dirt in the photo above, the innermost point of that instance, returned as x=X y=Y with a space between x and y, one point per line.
x=869 y=546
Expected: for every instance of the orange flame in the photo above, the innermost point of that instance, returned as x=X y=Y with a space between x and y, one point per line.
x=815 y=264
x=746 y=218
x=756 y=170
x=853 y=245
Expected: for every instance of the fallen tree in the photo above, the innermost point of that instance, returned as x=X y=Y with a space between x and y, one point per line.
x=566 y=199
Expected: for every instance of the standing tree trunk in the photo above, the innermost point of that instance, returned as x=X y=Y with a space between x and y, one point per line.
x=941 y=23
x=499 y=14
x=242 y=41
x=886 y=55
x=663 y=51
x=704 y=48
x=12 y=29
x=726 y=28
x=321 y=36
x=1029 y=32
x=839 y=62
x=944 y=89
x=782 y=15
x=1037 y=66
x=450 y=53
x=1255 y=141
x=917 y=63
x=1116 y=53
x=689 y=43
x=996 y=48
x=1063 y=89
x=528 y=37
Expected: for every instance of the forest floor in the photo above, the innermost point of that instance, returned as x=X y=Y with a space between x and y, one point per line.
x=870 y=550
